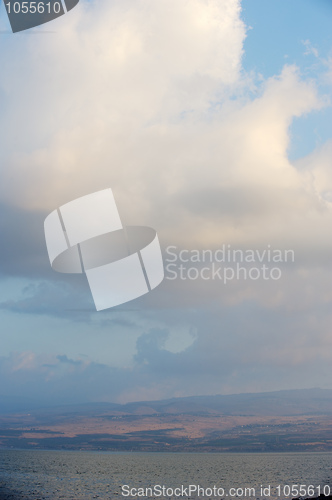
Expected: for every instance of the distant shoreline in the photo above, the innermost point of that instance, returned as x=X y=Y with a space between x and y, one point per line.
x=175 y=452
x=281 y=421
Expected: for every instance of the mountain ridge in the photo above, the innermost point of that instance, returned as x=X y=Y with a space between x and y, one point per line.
x=281 y=402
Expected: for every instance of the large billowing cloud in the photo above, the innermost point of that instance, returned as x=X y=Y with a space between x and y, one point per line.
x=150 y=98
x=95 y=92
x=139 y=96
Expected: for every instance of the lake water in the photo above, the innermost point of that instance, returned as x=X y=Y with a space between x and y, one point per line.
x=86 y=475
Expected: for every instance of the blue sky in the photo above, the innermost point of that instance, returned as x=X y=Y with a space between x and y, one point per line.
x=211 y=122
x=298 y=34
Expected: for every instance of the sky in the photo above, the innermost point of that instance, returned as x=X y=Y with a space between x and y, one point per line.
x=211 y=122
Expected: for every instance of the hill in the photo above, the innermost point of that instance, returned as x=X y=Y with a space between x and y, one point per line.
x=294 y=420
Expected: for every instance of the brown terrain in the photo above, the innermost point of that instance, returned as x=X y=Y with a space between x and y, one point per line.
x=279 y=421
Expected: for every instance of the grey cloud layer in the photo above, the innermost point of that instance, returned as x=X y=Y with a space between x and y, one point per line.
x=212 y=364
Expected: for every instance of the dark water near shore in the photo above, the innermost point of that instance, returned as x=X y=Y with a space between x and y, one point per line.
x=86 y=475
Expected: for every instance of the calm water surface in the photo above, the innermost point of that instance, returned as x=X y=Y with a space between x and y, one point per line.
x=85 y=475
